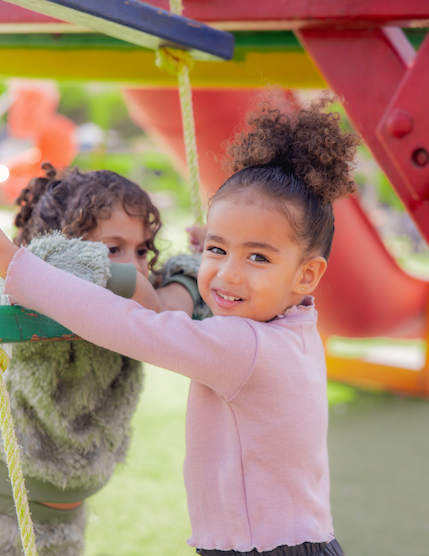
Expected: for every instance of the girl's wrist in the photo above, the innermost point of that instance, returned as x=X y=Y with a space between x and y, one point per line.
x=145 y=294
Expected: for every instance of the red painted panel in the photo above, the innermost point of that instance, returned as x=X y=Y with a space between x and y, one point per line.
x=366 y=66
x=376 y=12
x=403 y=129
x=9 y=13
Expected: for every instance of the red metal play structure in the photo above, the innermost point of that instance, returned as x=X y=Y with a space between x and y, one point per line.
x=384 y=83
x=363 y=54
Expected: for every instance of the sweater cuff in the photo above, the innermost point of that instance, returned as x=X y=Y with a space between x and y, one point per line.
x=123 y=279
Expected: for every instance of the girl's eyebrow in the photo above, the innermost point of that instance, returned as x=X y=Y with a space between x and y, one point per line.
x=266 y=246
x=217 y=239
x=120 y=238
x=248 y=245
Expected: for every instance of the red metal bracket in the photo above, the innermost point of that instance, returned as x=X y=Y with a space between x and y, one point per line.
x=383 y=84
x=404 y=127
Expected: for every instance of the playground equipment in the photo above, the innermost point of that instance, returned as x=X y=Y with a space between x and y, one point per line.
x=358 y=49
x=357 y=57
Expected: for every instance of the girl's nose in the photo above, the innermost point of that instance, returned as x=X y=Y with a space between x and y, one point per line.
x=128 y=257
x=141 y=264
x=230 y=272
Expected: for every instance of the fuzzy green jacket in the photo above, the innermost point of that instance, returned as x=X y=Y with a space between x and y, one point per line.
x=72 y=401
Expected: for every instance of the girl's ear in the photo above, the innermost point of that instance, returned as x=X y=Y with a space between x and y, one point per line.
x=311 y=273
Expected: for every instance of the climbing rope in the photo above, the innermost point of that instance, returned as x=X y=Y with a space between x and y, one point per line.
x=179 y=62
x=11 y=449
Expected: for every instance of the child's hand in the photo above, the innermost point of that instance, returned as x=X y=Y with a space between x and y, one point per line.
x=197 y=236
x=145 y=294
x=175 y=297
x=7 y=251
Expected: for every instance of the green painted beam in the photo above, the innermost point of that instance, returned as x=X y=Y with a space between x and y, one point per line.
x=255 y=41
x=18 y=324
x=258 y=40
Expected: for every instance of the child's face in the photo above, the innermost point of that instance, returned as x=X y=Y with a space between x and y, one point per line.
x=251 y=267
x=125 y=236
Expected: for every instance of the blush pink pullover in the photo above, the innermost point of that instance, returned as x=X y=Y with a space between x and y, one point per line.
x=256 y=467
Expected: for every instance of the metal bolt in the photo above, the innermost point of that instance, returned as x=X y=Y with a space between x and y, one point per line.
x=399 y=124
x=420 y=157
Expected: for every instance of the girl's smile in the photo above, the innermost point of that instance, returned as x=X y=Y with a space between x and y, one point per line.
x=226 y=299
x=251 y=265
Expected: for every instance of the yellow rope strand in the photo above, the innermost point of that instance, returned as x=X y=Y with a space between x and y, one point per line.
x=11 y=449
x=176 y=7
x=178 y=62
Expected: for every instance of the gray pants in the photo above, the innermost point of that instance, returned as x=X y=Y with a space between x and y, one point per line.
x=57 y=534
x=307 y=549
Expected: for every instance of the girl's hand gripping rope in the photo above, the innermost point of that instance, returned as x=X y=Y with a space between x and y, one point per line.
x=197 y=236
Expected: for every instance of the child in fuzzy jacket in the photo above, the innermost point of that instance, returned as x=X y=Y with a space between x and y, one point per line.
x=72 y=401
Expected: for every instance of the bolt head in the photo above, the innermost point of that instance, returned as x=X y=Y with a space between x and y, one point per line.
x=399 y=124
x=420 y=157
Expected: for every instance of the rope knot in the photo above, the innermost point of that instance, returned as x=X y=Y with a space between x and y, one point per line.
x=173 y=60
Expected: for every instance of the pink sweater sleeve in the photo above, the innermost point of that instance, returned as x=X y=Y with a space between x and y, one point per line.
x=218 y=352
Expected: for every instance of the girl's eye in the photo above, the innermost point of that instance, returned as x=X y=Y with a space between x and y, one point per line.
x=258 y=258
x=142 y=253
x=113 y=250
x=216 y=250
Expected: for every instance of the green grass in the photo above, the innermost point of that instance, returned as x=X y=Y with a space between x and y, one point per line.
x=142 y=511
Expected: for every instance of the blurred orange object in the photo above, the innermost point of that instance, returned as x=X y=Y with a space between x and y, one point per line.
x=33 y=116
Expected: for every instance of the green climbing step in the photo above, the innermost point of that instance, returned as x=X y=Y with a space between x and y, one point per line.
x=18 y=324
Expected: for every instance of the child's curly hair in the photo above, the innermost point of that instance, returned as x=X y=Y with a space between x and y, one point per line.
x=299 y=155
x=75 y=203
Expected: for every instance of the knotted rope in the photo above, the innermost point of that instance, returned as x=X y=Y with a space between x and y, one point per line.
x=13 y=461
x=179 y=62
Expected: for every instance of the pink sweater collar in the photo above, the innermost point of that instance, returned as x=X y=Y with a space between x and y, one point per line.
x=306 y=307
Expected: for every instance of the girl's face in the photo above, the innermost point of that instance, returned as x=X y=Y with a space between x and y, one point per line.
x=125 y=236
x=251 y=267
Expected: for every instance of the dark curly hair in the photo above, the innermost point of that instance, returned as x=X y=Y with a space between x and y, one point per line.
x=297 y=156
x=75 y=203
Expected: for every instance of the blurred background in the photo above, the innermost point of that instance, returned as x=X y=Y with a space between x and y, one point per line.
x=143 y=509
x=97 y=133
x=101 y=135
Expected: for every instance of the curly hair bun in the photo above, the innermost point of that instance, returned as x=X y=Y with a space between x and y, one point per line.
x=305 y=140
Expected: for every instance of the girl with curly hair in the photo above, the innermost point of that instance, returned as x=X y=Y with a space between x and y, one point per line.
x=72 y=401
x=256 y=469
